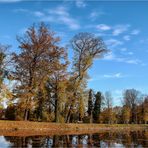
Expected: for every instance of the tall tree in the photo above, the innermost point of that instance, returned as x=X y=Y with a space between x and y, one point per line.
x=33 y=66
x=3 y=71
x=108 y=101
x=87 y=47
x=97 y=106
x=126 y=112
x=131 y=98
x=90 y=105
x=5 y=93
x=145 y=110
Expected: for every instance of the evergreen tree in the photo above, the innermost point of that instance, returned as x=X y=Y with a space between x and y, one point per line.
x=97 y=107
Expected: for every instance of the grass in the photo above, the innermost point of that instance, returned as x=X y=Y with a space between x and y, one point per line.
x=22 y=128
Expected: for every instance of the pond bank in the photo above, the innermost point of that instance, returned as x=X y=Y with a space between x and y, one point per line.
x=22 y=128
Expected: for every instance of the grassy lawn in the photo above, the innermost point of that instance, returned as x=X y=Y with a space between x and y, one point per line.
x=23 y=128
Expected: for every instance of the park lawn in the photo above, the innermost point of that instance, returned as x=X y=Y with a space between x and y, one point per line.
x=28 y=128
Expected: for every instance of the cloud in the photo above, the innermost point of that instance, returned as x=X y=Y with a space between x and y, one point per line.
x=38 y=13
x=80 y=3
x=119 y=29
x=130 y=53
x=135 y=32
x=61 y=15
x=95 y=14
x=5 y=36
x=112 y=57
x=35 y=13
x=103 y=27
x=113 y=43
x=60 y=10
x=126 y=38
x=21 y=10
x=23 y=30
x=10 y=1
x=107 y=76
x=116 y=75
x=144 y=41
x=136 y=61
x=123 y=49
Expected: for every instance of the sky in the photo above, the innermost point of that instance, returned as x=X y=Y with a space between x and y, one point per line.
x=123 y=26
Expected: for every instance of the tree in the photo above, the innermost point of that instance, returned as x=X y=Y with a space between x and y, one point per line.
x=131 y=98
x=34 y=64
x=90 y=105
x=108 y=104
x=3 y=71
x=97 y=106
x=126 y=112
x=87 y=47
x=5 y=93
x=145 y=110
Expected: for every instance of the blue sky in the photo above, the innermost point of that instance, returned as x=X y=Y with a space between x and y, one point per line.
x=122 y=26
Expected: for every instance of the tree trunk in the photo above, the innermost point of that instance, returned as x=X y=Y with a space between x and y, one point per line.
x=26 y=114
x=68 y=116
x=56 y=107
x=56 y=111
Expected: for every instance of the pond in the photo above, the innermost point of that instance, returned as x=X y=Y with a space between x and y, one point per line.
x=103 y=139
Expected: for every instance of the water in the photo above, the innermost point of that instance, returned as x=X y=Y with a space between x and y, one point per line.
x=104 y=139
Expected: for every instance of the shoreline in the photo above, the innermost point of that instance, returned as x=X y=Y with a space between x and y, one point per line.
x=30 y=128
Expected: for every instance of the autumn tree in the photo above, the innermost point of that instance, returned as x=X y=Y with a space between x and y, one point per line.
x=33 y=66
x=57 y=84
x=3 y=71
x=131 y=98
x=126 y=112
x=108 y=102
x=145 y=110
x=5 y=92
x=87 y=47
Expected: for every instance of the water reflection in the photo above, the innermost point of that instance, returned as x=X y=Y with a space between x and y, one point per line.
x=104 y=140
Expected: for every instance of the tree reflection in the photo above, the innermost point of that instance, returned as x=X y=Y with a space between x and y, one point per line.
x=104 y=139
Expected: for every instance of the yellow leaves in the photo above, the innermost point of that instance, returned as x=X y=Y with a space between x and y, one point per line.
x=5 y=93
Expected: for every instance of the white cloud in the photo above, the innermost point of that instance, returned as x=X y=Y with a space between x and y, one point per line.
x=119 y=29
x=9 y=1
x=136 y=61
x=107 y=76
x=60 y=15
x=23 y=30
x=109 y=56
x=126 y=38
x=123 y=49
x=113 y=43
x=5 y=36
x=95 y=14
x=117 y=75
x=112 y=57
x=135 y=32
x=144 y=41
x=103 y=27
x=80 y=3
x=21 y=10
x=35 y=13
x=130 y=53
x=38 y=13
x=60 y=10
